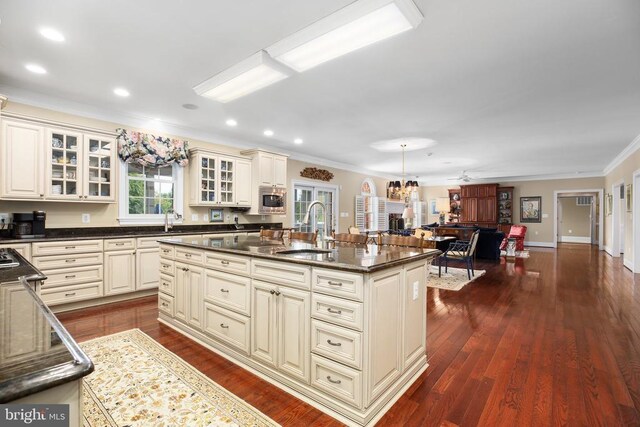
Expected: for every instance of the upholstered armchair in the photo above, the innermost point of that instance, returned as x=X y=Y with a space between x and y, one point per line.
x=516 y=232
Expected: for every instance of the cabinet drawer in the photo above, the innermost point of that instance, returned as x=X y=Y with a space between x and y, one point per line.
x=147 y=242
x=73 y=276
x=119 y=244
x=336 y=343
x=337 y=283
x=281 y=273
x=190 y=256
x=230 y=263
x=167 y=284
x=165 y=304
x=166 y=251
x=65 y=294
x=167 y=266
x=338 y=311
x=337 y=380
x=227 y=326
x=67 y=261
x=228 y=290
x=66 y=248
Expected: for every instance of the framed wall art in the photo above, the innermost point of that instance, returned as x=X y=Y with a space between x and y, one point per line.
x=531 y=209
x=216 y=215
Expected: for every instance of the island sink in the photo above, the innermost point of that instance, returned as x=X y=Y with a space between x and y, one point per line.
x=303 y=251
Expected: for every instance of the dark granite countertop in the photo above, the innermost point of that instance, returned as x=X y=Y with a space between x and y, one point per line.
x=38 y=352
x=81 y=233
x=25 y=269
x=339 y=256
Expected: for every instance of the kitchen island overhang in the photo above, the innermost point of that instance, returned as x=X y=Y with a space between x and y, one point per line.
x=342 y=328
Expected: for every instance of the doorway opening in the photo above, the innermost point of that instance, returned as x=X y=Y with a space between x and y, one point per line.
x=635 y=199
x=578 y=217
x=618 y=215
x=303 y=194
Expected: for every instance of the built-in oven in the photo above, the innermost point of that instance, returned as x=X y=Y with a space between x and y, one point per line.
x=273 y=200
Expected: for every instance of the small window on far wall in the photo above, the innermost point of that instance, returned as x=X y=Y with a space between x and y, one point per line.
x=147 y=193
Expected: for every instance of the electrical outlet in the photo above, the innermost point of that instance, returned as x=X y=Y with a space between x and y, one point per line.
x=416 y=290
x=227 y=218
x=194 y=217
x=86 y=218
x=205 y=218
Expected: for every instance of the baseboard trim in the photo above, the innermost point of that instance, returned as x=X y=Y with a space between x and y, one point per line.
x=628 y=263
x=539 y=244
x=574 y=239
x=607 y=249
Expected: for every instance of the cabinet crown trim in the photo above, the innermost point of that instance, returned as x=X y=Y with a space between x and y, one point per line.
x=54 y=123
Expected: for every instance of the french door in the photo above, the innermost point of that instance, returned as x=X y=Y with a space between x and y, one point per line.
x=303 y=195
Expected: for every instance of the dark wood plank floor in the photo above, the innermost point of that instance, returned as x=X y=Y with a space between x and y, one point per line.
x=549 y=340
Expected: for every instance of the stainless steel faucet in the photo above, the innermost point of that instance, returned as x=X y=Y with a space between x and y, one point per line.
x=168 y=226
x=327 y=230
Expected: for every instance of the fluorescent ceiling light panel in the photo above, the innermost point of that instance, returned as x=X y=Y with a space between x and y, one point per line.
x=255 y=72
x=353 y=27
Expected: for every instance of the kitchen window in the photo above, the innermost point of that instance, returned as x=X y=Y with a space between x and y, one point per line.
x=147 y=193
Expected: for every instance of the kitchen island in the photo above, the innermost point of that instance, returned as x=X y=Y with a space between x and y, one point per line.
x=342 y=328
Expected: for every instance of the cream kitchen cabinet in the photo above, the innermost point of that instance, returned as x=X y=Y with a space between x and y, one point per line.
x=22 y=160
x=267 y=169
x=216 y=180
x=280 y=325
x=119 y=272
x=147 y=268
x=188 y=298
x=23 y=249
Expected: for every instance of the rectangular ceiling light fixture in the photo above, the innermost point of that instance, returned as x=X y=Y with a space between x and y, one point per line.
x=255 y=72
x=355 y=26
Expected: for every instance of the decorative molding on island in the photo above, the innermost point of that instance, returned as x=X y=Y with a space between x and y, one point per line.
x=343 y=329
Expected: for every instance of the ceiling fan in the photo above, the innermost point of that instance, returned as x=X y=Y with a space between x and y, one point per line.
x=463 y=177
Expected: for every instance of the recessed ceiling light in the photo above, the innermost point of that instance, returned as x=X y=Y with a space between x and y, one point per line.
x=268 y=132
x=298 y=141
x=51 y=34
x=355 y=26
x=190 y=106
x=255 y=72
x=35 y=68
x=121 y=92
x=231 y=122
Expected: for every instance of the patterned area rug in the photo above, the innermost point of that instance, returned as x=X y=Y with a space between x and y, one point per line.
x=137 y=382
x=454 y=280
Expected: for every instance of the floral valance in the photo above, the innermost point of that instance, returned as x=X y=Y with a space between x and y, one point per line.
x=151 y=150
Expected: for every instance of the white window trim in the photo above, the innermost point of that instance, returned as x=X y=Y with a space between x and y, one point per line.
x=154 y=219
x=315 y=184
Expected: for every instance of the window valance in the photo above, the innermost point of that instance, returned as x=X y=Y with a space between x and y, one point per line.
x=151 y=150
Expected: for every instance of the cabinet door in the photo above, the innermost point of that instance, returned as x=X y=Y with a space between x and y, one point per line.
x=265 y=169
x=294 y=323
x=226 y=181
x=180 y=296
x=22 y=161
x=243 y=183
x=99 y=168
x=147 y=268
x=264 y=337
x=487 y=209
x=414 y=311
x=64 y=171
x=469 y=209
x=205 y=182
x=119 y=272
x=24 y=332
x=279 y=171
x=195 y=296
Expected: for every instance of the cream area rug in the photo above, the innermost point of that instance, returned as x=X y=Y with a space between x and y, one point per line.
x=137 y=382
x=519 y=254
x=453 y=280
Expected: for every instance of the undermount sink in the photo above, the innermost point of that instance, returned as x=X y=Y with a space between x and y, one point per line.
x=304 y=251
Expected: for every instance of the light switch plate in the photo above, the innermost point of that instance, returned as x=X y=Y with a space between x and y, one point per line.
x=416 y=290
x=205 y=218
x=544 y=215
x=86 y=218
x=194 y=217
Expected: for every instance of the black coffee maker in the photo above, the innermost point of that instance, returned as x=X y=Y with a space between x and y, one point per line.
x=28 y=225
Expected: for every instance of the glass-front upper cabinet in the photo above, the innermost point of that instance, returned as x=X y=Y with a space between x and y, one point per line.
x=227 y=173
x=99 y=163
x=214 y=180
x=208 y=181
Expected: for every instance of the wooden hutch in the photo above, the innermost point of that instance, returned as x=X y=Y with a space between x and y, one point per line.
x=484 y=205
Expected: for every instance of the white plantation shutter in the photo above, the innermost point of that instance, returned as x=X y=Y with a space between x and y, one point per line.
x=382 y=219
x=360 y=213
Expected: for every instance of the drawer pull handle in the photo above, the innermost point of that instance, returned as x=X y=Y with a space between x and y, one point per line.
x=330 y=310
x=272 y=292
x=337 y=344
x=69 y=260
x=185 y=269
x=223 y=326
x=165 y=266
x=69 y=247
x=224 y=262
x=187 y=255
x=165 y=284
x=164 y=304
x=70 y=294
x=332 y=283
x=120 y=244
x=70 y=276
x=277 y=293
x=333 y=381
x=166 y=251
x=226 y=291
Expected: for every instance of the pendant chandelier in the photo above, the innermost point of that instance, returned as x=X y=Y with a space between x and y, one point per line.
x=401 y=189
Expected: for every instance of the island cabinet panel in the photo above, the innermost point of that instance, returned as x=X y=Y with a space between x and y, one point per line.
x=264 y=338
x=338 y=311
x=22 y=325
x=336 y=343
x=337 y=380
x=228 y=263
x=228 y=290
x=385 y=323
x=188 y=301
x=227 y=326
x=165 y=303
x=147 y=268
x=415 y=316
x=293 y=332
x=282 y=273
x=337 y=283
x=167 y=284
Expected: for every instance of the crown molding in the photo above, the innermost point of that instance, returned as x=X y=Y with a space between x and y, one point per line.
x=624 y=154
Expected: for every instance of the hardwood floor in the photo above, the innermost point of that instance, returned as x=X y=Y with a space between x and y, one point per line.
x=550 y=340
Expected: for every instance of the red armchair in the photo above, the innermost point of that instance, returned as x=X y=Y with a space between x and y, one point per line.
x=516 y=232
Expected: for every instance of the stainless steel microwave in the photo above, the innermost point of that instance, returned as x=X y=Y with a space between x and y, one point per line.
x=273 y=200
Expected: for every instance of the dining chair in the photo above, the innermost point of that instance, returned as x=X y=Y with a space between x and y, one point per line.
x=271 y=234
x=460 y=251
x=406 y=241
x=303 y=236
x=351 y=238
